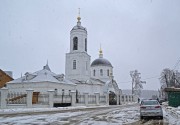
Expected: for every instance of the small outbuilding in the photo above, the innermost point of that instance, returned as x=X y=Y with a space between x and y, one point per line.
x=173 y=96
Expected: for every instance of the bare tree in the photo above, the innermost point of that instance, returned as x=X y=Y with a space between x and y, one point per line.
x=136 y=83
x=169 y=78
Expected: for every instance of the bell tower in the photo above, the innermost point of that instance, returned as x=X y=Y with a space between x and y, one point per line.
x=77 y=60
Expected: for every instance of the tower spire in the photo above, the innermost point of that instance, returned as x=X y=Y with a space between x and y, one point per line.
x=78 y=18
x=100 y=52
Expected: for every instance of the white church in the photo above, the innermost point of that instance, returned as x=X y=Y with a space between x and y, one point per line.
x=81 y=75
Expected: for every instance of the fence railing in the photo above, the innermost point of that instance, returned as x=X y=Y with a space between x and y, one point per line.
x=62 y=98
x=16 y=98
x=91 y=99
x=102 y=99
x=30 y=98
x=43 y=99
x=80 y=99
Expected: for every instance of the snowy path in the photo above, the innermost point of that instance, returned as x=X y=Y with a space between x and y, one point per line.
x=112 y=115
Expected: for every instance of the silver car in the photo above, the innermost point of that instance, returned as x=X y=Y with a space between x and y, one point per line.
x=150 y=108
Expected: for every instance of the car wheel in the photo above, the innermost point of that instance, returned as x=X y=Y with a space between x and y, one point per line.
x=161 y=117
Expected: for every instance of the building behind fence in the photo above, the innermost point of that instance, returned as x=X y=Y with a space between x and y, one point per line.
x=29 y=99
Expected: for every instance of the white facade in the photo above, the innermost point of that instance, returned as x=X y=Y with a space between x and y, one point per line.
x=101 y=68
x=88 y=78
x=78 y=60
x=42 y=81
x=79 y=73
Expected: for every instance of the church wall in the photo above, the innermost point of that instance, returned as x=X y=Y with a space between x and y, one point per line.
x=41 y=87
x=82 y=71
x=105 y=77
x=89 y=88
x=81 y=34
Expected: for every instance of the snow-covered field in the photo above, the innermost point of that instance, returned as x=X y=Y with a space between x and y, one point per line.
x=124 y=115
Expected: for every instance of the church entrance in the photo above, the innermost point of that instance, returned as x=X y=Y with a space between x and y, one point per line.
x=112 y=98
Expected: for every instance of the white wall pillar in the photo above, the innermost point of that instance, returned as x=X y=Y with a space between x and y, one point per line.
x=29 y=97
x=127 y=98
x=120 y=99
x=51 y=98
x=97 y=98
x=135 y=98
x=117 y=96
x=73 y=98
x=4 y=94
x=86 y=98
x=107 y=98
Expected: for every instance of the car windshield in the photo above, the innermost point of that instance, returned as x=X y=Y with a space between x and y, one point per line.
x=149 y=103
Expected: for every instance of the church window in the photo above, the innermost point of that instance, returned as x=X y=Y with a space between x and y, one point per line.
x=94 y=72
x=86 y=66
x=86 y=44
x=101 y=72
x=74 y=64
x=75 y=43
x=108 y=72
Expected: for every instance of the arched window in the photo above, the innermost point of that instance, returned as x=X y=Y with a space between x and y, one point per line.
x=86 y=44
x=74 y=64
x=108 y=72
x=94 y=72
x=75 y=43
x=101 y=72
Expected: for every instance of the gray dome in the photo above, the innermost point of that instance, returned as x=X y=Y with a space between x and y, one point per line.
x=101 y=62
x=79 y=27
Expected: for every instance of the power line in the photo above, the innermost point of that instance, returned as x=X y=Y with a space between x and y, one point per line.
x=143 y=79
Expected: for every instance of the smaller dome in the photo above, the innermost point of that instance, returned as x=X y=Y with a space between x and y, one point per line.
x=79 y=27
x=101 y=62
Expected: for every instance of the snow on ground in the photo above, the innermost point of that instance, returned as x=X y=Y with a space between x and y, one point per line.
x=120 y=117
x=38 y=119
x=125 y=115
x=172 y=114
x=31 y=110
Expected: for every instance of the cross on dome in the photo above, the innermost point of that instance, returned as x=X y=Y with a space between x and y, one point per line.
x=100 y=52
x=79 y=18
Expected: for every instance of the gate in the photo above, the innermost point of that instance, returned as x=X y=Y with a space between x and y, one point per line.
x=112 y=98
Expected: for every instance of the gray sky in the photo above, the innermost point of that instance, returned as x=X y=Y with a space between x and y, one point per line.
x=134 y=34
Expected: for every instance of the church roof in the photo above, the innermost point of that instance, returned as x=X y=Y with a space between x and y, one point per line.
x=101 y=62
x=44 y=75
x=79 y=27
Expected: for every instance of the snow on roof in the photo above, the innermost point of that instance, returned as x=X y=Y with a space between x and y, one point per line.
x=44 y=75
x=89 y=81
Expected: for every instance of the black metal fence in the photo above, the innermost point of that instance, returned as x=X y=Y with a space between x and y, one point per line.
x=80 y=99
x=91 y=99
x=102 y=99
x=43 y=99
x=62 y=98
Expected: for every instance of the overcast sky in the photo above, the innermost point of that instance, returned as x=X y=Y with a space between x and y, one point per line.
x=134 y=34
